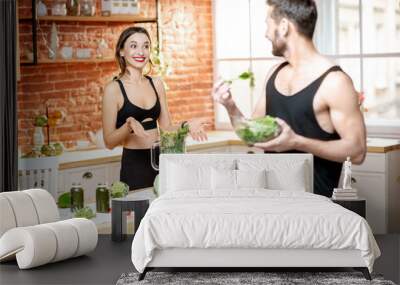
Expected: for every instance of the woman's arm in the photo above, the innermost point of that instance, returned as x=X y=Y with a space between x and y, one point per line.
x=196 y=125
x=112 y=136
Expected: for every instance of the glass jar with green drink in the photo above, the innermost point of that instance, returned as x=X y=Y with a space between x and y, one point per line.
x=102 y=198
x=77 y=196
x=170 y=142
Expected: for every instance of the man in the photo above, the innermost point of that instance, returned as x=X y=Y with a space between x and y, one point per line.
x=313 y=99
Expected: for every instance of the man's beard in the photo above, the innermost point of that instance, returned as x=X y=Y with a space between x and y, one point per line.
x=278 y=45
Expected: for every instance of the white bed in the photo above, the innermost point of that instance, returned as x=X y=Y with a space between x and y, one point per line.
x=213 y=212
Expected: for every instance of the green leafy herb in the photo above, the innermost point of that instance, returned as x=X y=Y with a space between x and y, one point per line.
x=173 y=142
x=119 y=189
x=258 y=130
x=48 y=150
x=85 y=212
x=160 y=64
x=58 y=147
x=247 y=75
x=40 y=121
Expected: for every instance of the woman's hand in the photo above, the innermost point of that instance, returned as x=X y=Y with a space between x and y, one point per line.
x=136 y=128
x=196 y=128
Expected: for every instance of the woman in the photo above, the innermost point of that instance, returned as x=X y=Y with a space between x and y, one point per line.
x=133 y=103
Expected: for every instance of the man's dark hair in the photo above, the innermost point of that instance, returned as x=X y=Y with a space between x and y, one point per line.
x=303 y=13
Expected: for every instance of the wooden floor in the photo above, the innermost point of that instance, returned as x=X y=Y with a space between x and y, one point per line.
x=111 y=259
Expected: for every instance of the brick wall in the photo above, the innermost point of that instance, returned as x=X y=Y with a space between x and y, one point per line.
x=76 y=88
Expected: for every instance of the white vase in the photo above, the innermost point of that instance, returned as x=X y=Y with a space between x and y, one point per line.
x=38 y=137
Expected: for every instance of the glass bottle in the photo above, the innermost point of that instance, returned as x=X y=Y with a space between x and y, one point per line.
x=102 y=198
x=59 y=8
x=73 y=7
x=76 y=196
x=106 y=7
x=88 y=7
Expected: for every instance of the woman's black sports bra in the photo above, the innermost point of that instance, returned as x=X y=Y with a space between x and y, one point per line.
x=131 y=110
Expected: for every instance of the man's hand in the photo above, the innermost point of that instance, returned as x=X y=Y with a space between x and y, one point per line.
x=284 y=142
x=221 y=93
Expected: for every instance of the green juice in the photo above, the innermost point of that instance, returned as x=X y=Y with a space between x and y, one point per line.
x=102 y=199
x=77 y=196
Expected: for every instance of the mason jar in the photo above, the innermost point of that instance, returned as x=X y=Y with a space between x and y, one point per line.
x=76 y=196
x=102 y=198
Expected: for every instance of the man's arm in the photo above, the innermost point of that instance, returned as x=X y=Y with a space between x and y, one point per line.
x=221 y=93
x=347 y=120
x=342 y=101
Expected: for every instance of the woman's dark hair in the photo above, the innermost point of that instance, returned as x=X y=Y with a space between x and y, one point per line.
x=120 y=45
x=303 y=13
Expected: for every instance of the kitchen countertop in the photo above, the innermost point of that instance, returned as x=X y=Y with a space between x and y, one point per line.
x=78 y=158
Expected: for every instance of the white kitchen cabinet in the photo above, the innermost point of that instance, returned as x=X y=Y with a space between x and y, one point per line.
x=371 y=187
x=89 y=177
x=113 y=172
x=377 y=180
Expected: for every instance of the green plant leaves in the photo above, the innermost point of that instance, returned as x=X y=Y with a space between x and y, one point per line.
x=247 y=75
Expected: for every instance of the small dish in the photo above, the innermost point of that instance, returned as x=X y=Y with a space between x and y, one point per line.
x=81 y=144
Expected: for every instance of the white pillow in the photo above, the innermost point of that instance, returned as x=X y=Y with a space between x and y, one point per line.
x=251 y=178
x=280 y=174
x=223 y=179
x=230 y=180
x=183 y=177
x=292 y=179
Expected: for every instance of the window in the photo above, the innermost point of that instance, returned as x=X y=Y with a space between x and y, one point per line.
x=363 y=37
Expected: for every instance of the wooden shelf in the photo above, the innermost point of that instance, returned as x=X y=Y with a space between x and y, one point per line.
x=123 y=18
x=74 y=60
x=114 y=18
x=24 y=18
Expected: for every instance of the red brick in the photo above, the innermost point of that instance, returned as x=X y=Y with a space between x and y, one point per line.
x=52 y=68
x=70 y=84
x=37 y=87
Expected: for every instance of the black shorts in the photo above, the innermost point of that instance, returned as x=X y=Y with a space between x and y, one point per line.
x=136 y=169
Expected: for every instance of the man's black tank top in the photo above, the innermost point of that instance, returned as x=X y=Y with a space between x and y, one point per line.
x=131 y=110
x=297 y=111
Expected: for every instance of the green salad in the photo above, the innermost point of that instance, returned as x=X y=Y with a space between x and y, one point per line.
x=173 y=142
x=85 y=212
x=258 y=130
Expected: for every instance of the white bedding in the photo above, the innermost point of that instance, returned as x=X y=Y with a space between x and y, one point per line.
x=252 y=218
